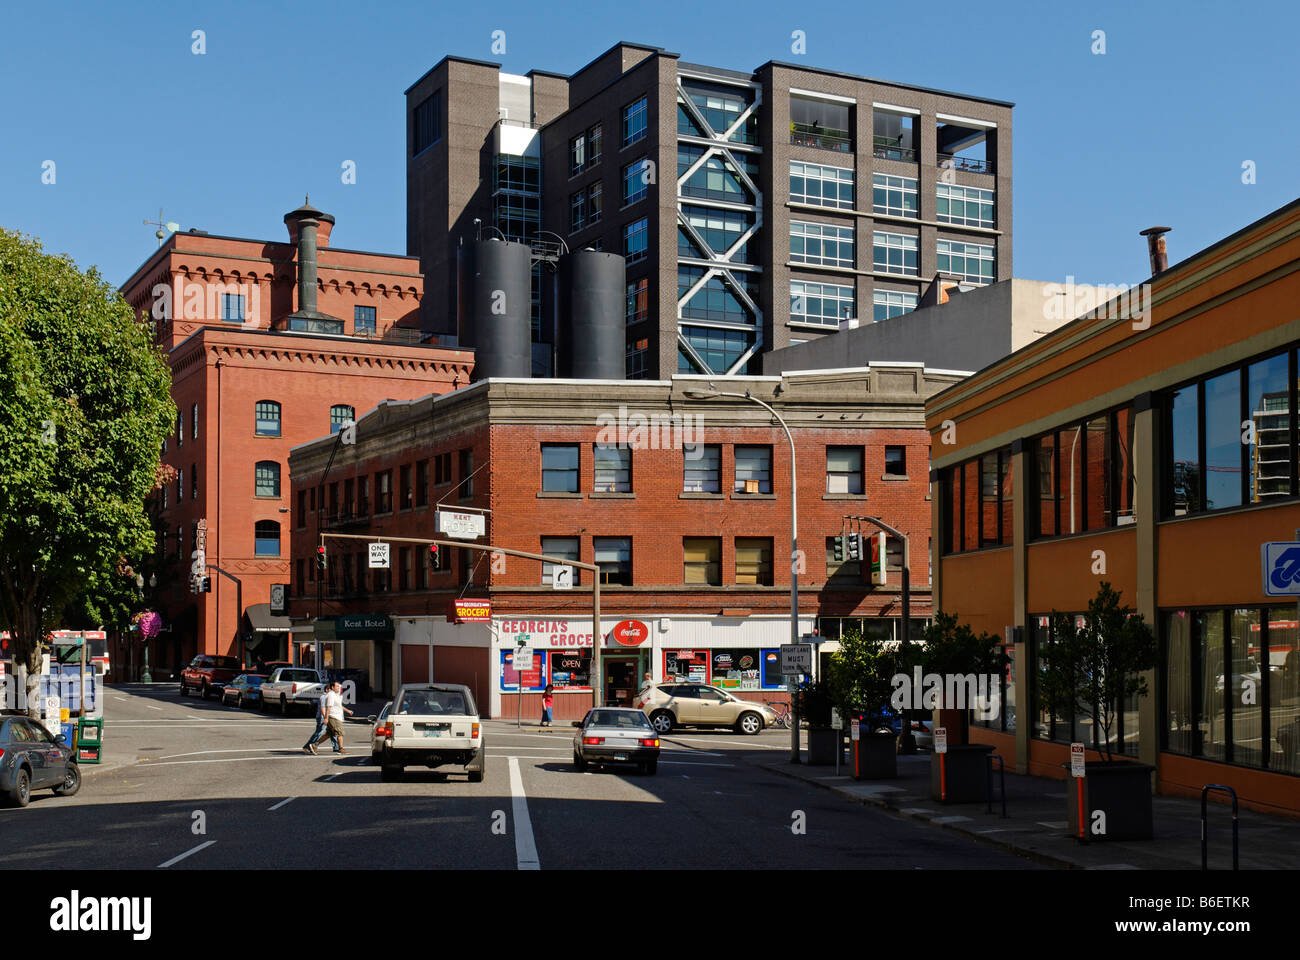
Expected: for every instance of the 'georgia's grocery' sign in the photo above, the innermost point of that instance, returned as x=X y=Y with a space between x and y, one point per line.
x=571 y=633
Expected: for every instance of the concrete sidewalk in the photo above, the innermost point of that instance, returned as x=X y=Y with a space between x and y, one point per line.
x=1035 y=826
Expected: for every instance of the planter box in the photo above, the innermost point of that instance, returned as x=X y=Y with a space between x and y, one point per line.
x=822 y=744
x=960 y=775
x=1116 y=794
x=875 y=756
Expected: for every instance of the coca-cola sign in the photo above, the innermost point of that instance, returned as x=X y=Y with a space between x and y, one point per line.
x=630 y=633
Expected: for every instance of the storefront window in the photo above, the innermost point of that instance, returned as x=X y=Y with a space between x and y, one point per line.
x=737 y=669
x=1212 y=721
x=1243 y=686
x=571 y=669
x=534 y=679
x=1223 y=447
x=1283 y=673
x=686 y=665
x=1180 y=687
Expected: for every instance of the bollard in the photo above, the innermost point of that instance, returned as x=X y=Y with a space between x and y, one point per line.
x=1205 y=835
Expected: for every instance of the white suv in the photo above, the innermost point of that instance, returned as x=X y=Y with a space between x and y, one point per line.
x=676 y=704
x=432 y=725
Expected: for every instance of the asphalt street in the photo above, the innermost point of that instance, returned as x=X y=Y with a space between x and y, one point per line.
x=204 y=786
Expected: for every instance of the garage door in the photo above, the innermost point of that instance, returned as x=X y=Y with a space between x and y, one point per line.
x=415 y=663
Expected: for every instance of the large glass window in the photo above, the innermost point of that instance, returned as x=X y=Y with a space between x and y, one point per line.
x=721 y=107
x=824 y=304
x=894 y=196
x=895 y=253
x=703 y=560
x=577 y=210
x=893 y=136
x=973 y=262
x=821 y=123
x=720 y=229
x=612 y=469
x=753 y=469
x=364 y=320
x=978 y=511
x=595 y=136
x=702 y=472
x=614 y=557
x=232 y=307
x=717 y=178
x=634 y=121
x=638 y=300
x=970 y=206
x=887 y=304
x=1084 y=476
x=268 y=418
x=427 y=123
x=717 y=299
x=720 y=349
x=267 y=473
x=559 y=468
x=822 y=185
x=577 y=154
x=1231 y=438
x=821 y=243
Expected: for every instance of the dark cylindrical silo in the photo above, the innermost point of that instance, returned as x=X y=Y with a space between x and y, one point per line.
x=593 y=305
x=494 y=310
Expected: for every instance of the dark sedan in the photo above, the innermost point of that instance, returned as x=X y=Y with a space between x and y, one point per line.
x=32 y=759
x=616 y=735
x=244 y=689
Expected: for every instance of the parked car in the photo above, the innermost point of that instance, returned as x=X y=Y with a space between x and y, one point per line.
x=1243 y=669
x=616 y=735
x=32 y=759
x=675 y=704
x=244 y=689
x=923 y=734
x=290 y=686
x=380 y=731
x=208 y=674
x=433 y=725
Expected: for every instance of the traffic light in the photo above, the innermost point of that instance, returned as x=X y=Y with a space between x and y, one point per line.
x=320 y=558
x=433 y=556
x=205 y=585
x=855 y=546
x=839 y=549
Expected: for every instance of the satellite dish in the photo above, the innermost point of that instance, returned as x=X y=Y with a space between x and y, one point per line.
x=172 y=226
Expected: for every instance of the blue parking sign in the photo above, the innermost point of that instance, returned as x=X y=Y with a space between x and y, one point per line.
x=1280 y=562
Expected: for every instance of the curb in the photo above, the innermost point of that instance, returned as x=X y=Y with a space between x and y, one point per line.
x=1033 y=855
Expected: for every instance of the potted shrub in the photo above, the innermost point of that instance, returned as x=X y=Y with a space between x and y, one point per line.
x=860 y=673
x=1090 y=667
x=814 y=704
x=952 y=660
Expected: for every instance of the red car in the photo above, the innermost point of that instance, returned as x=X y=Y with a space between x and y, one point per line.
x=209 y=674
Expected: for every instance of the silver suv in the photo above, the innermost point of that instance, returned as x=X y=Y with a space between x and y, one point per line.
x=675 y=704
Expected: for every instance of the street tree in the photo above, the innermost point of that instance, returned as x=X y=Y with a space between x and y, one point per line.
x=84 y=407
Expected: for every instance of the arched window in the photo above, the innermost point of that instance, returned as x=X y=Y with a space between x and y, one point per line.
x=266 y=538
x=268 y=478
x=268 y=418
x=194 y=481
x=340 y=414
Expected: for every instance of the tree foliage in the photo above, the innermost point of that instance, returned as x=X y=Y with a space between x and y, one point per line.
x=84 y=407
x=860 y=673
x=949 y=648
x=1091 y=669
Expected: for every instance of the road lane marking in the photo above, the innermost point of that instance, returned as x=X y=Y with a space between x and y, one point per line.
x=199 y=753
x=168 y=863
x=152 y=707
x=733 y=743
x=282 y=803
x=694 y=763
x=525 y=847
x=290 y=754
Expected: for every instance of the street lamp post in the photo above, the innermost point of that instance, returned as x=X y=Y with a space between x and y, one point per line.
x=906 y=742
x=794 y=535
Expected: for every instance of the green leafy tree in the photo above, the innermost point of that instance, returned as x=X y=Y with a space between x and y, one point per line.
x=860 y=673
x=84 y=408
x=1093 y=668
x=952 y=649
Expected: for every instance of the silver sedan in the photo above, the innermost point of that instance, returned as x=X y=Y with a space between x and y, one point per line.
x=616 y=735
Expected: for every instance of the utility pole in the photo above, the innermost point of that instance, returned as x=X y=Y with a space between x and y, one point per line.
x=906 y=742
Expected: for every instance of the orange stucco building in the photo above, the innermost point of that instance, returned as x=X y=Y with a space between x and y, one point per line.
x=1151 y=443
x=270 y=344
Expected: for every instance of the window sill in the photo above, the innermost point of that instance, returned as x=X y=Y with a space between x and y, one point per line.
x=692 y=495
x=611 y=495
x=753 y=496
x=895 y=477
x=558 y=495
x=844 y=496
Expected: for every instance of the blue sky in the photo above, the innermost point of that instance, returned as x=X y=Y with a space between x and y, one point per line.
x=1153 y=131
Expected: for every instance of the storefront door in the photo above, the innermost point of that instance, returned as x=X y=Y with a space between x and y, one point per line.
x=620 y=680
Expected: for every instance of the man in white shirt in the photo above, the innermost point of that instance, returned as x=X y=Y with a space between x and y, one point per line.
x=331 y=704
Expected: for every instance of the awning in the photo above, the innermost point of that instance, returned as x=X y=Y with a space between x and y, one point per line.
x=259 y=616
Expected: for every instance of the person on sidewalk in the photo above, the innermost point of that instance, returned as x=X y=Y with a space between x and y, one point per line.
x=332 y=707
x=320 y=725
x=548 y=704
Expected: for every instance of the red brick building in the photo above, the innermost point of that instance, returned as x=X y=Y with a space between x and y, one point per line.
x=270 y=344
x=683 y=503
